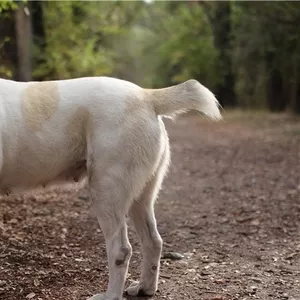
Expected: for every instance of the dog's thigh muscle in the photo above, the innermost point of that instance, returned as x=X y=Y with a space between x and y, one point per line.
x=142 y=214
x=117 y=174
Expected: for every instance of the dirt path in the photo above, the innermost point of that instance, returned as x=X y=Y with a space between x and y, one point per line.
x=230 y=204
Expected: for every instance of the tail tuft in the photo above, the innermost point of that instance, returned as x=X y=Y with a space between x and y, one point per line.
x=189 y=95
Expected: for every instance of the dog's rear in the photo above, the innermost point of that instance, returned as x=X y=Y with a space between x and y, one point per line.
x=114 y=130
x=132 y=182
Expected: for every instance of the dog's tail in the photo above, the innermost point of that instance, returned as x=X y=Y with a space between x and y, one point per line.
x=189 y=95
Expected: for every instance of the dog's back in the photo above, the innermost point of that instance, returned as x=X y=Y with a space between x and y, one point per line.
x=46 y=126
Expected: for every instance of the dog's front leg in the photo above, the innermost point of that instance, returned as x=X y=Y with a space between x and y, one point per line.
x=111 y=212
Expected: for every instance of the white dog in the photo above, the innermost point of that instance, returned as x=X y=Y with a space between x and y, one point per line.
x=110 y=130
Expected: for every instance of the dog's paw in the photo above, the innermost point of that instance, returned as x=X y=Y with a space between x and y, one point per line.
x=139 y=289
x=103 y=297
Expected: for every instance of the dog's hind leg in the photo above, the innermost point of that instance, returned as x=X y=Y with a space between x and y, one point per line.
x=119 y=169
x=142 y=214
x=110 y=199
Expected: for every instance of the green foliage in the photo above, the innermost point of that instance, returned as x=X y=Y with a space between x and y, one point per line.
x=188 y=46
x=265 y=39
x=166 y=48
x=70 y=44
x=5 y=71
x=7 y=5
x=80 y=38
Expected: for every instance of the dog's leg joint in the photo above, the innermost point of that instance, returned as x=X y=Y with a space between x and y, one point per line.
x=125 y=252
x=154 y=268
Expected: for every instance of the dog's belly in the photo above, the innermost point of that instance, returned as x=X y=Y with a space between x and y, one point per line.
x=35 y=162
x=74 y=173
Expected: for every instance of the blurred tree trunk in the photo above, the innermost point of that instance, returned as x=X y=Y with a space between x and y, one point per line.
x=24 y=41
x=38 y=33
x=294 y=103
x=219 y=14
x=296 y=107
x=8 y=56
x=295 y=100
x=275 y=84
x=222 y=33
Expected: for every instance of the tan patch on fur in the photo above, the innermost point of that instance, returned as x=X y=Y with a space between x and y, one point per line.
x=78 y=126
x=39 y=103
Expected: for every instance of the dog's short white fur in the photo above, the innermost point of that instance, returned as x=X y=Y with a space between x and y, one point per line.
x=110 y=130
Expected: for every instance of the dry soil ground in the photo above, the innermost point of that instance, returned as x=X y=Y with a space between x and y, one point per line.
x=230 y=204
